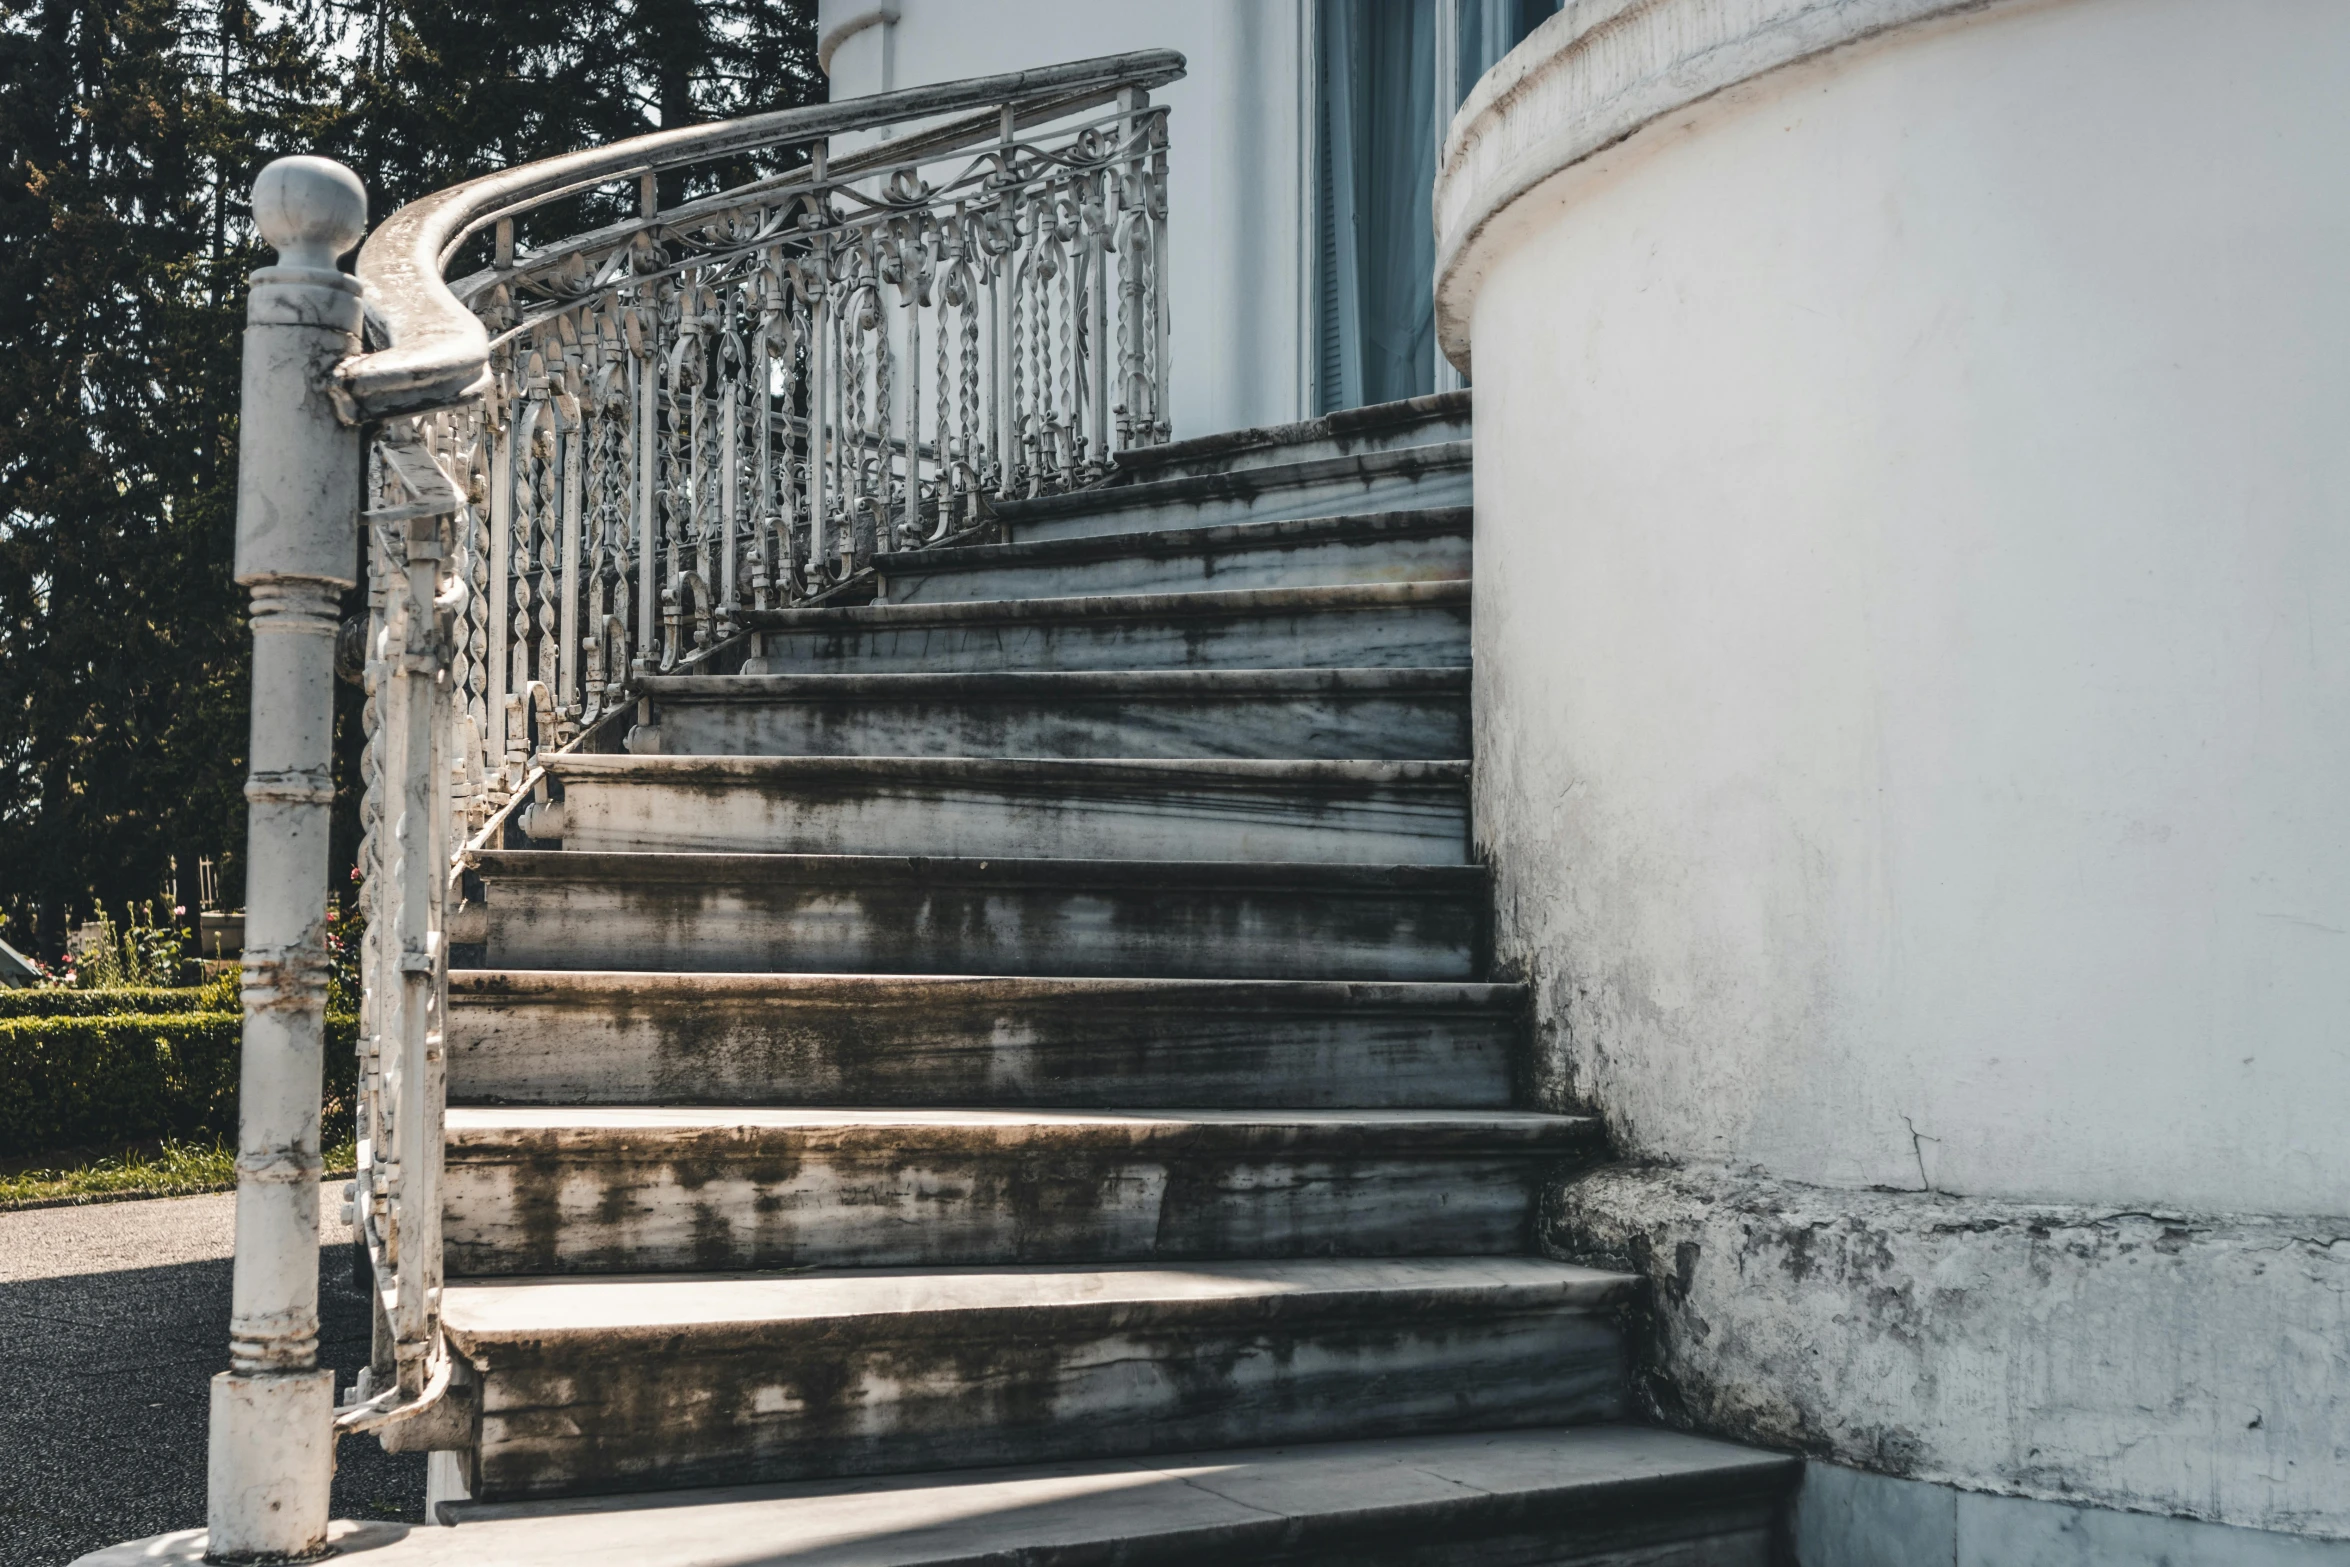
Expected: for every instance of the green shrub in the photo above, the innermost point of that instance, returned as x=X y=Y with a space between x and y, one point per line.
x=87 y=1082
x=110 y=1003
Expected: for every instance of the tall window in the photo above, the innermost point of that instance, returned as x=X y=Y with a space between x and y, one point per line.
x=1388 y=75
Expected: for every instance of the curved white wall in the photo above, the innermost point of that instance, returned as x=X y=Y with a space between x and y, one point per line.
x=1913 y=610
x=1236 y=200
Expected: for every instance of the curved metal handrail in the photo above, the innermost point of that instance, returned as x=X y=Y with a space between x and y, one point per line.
x=438 y=350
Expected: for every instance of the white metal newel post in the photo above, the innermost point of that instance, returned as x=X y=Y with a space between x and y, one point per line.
x=273 y=1416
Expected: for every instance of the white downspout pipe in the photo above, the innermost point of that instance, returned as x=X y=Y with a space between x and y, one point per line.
x=272 y=1441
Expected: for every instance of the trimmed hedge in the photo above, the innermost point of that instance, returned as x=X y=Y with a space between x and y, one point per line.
x=151 y=1000
x=86 y=1082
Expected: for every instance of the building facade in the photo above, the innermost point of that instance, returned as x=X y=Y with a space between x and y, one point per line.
x=1311 y=132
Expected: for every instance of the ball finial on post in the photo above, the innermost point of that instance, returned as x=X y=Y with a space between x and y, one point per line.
x=313 y=210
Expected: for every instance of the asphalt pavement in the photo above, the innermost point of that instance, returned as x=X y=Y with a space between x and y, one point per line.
x=113 y=1318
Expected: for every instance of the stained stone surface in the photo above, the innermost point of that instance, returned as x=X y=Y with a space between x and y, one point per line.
x=1425 y=544
x=700 y=1379
x=891 y=915
x=566 y=1189
x=1337 y=713
x=1351 y=812
x=624 y=1038
x=1603 y=1497
x=1316 y=486
x=1389 y=625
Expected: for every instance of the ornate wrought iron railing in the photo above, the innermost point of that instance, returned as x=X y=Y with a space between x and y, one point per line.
x=741 y=403
x=597 y=459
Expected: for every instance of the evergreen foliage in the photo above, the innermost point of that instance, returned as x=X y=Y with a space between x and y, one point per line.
x=69 y=1082
x=130 y=131
x=129 y=1001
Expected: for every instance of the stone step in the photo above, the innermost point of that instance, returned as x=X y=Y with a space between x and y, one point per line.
x=1380 y=625
x=1321 y=714
x=1372 y=813
x=633 y=1189
x=636 y=1382
x=1559 y=1496
x=879 y=914
x=1407 y=477
x=1392 y=546
x=1380 y=427
x=554 y=1038
x=1573 y=1496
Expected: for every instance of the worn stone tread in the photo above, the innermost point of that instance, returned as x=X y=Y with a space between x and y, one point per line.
x=1405 y=464
x=1269 y=442
x=598 y=1384
x=1199 y=772
x=1052 y=684
x=616 y=1189
x=929 y=871
x=1199 y=919
x=635 y=1037
x=1327 y=713
x=1363 y=812
x=929 y=992
x=489 y=1318
x=1593 y=1496
x=1396 y=624
x=587 y=1127
x=1185 y=605
x=1171 y=543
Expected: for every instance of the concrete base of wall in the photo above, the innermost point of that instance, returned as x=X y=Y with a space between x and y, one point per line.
x=2151 y=1363
x=1849 y=1518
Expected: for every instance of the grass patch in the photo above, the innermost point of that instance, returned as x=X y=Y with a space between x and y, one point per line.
x=171 y=1168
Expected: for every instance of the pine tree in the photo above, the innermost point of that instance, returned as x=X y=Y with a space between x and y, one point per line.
x=130 y=131
x=121 y=656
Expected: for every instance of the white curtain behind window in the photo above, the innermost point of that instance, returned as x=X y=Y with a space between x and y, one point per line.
x=1379 y=130
x=1383 y=111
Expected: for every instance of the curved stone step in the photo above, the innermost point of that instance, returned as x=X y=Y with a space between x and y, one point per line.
x=1379 y=625
x=575 y=1189
x=598 y=1384
x=883 y=914
x=1323 y=714
x=554 y=1038
x=1340 y=812
x=1375 y=427
x=1575 y=1496
x=1571 y=1496
x=1424 y=545
x=1438 y=474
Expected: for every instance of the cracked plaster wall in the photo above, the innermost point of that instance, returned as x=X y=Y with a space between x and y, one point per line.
x=1913 y=704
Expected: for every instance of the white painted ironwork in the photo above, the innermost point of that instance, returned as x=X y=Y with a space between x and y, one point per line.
x=739 y=405
x=607 y=457
x=272 y=1444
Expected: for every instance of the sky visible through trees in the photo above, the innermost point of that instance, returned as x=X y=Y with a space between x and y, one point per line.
x=131 y=131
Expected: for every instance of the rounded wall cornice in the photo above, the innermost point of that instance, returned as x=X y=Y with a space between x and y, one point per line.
x=1593 y=74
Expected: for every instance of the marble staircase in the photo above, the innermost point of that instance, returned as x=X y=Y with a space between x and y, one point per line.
x=1011 y=1074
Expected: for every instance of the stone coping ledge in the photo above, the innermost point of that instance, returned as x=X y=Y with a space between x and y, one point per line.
x=2153 y=1361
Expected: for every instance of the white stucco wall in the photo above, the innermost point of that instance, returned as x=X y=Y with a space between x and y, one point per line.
x=1236 y=202
x=1913 y=610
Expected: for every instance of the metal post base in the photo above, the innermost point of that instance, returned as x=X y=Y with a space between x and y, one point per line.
x=273 y=1463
